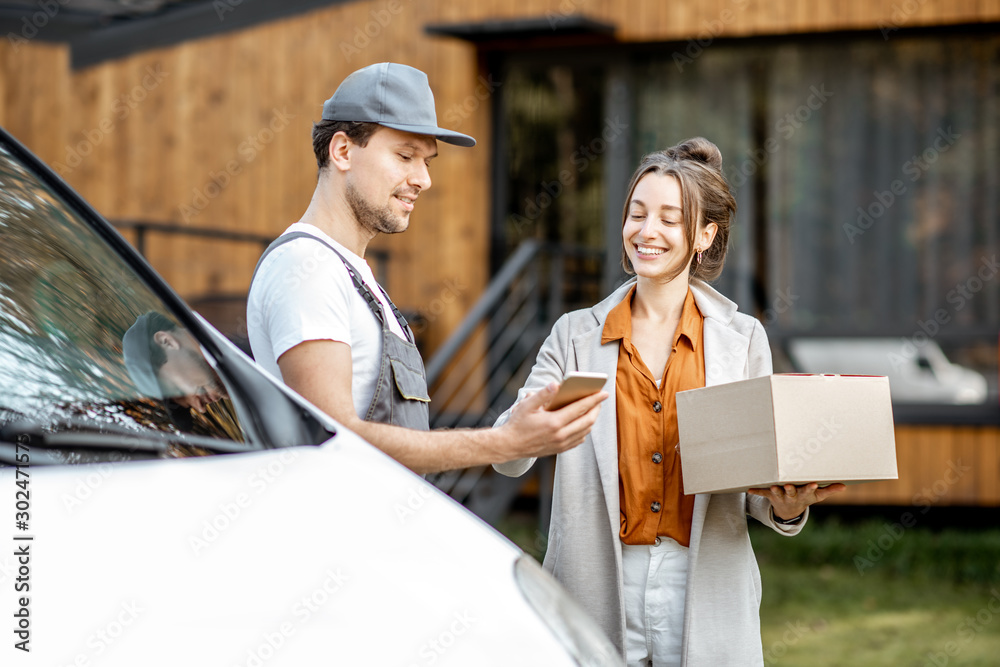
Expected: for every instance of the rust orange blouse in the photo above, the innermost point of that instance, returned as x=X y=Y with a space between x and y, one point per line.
x=650 y=489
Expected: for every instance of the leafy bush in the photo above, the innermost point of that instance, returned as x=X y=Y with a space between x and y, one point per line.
x=960 y=555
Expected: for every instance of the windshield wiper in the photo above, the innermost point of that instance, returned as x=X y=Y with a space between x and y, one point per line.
x=72 y=435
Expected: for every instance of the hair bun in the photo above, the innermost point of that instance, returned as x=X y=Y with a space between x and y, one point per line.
x=700 y=149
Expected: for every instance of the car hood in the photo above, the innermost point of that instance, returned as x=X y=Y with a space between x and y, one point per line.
x=292 y=556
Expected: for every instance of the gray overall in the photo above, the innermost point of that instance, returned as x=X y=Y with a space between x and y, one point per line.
x=401 y=390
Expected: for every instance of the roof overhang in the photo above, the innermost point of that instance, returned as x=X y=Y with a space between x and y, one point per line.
x=99 y=30
x=553 y=29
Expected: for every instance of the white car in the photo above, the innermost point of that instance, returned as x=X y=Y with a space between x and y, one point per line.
x=917 y=373
x=191 y=510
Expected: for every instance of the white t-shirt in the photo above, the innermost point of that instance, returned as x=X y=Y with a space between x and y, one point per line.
x=303 y=292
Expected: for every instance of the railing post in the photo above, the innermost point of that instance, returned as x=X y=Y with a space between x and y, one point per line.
x=524 y=255
x=557 y=284
x=140 y=239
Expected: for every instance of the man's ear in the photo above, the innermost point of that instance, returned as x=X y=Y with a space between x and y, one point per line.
x=339 y=151
x=166 y=340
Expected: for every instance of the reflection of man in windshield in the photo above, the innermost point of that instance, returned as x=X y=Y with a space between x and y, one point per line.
x=165 y=362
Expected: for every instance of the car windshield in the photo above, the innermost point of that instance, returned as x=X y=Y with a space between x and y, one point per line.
x=86 y=346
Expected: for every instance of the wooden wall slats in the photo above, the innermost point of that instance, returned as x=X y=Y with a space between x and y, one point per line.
x=987 y=443
x=220 y=90
x=35 y=94
x=938 y=466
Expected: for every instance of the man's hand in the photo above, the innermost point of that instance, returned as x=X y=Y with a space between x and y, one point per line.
x=533 y=431
x=321 y=372
x=789 y=501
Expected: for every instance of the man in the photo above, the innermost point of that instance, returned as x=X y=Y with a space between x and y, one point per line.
x=164 y=361
x=318 y=319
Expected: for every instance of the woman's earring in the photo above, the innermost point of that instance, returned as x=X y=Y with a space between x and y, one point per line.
x=700 y=253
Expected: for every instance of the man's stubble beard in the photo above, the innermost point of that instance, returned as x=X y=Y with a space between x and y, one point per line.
x=378 y=220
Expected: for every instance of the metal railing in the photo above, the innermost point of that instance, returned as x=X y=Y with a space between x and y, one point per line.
x=475 y=375
x=226 y=311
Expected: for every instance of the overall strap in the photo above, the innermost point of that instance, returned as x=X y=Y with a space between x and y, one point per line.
x=373 y=303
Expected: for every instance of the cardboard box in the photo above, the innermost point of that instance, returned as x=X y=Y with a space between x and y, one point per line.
x=786 y=429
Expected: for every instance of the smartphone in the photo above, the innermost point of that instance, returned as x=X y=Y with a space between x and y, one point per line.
x=577 y=385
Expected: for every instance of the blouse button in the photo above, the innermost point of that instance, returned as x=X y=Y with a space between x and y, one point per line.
x=657 y=406
x=655 y=507
x=657 y=457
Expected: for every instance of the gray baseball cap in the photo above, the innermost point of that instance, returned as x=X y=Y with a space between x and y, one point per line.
x=392 y=95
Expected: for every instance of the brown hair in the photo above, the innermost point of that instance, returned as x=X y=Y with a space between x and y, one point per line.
x=705 y=195
x=358 y=132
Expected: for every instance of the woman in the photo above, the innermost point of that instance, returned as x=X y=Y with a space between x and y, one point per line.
x=671 y=578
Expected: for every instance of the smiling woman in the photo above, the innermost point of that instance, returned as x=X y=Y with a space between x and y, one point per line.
x=676 y=193
x=670 y=561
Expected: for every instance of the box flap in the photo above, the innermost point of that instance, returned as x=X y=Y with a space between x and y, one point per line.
x=825 y=425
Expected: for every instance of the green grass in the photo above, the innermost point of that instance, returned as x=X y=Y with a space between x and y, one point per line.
x=830 y=617
x=886 y=547
x=868 y=594
x=875 y=593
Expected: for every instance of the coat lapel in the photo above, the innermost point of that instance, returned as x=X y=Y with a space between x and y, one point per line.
x=726 y=349
x=726 y=354
x=590 y=355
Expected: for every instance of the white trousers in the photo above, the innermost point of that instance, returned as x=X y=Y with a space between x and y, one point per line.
x=654 y=579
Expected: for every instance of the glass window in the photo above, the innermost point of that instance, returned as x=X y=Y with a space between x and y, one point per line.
x=709 y=97
x=865 y=170
x=556 y=137
x=85 y=345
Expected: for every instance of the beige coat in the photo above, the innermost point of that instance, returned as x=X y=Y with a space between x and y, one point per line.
x=721 y=619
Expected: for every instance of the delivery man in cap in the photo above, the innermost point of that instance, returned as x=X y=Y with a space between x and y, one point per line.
x=317 y=318
x=165 y=361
